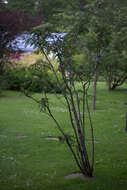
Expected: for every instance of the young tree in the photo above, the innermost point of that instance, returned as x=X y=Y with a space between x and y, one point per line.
x=63 y=46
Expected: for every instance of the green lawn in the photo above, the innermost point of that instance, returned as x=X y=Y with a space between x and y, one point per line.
x=28 y=162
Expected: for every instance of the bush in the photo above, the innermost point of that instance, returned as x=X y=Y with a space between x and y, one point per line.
x=35 y=78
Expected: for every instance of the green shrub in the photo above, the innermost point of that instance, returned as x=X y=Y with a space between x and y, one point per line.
x=35 y=78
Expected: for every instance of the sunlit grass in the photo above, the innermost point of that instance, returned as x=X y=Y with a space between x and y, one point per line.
x=28 y=60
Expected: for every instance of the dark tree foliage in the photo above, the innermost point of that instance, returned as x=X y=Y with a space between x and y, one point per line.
x=28 y=6
x=47 y=8
x=13 y=24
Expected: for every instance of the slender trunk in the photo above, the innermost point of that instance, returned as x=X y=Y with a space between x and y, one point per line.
x=94 y=90
x=1 y=67
x=126 y=123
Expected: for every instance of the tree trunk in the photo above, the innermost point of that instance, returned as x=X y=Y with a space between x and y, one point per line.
x=1 y=67
x=126 y=123
x=94 y=91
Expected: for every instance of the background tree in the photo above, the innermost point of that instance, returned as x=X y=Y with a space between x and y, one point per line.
x=99 y=24
x=115 y=59
x=94 y=33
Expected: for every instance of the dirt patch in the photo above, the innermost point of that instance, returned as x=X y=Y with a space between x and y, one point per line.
x=78 y=175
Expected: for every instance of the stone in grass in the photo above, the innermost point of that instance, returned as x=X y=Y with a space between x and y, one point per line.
x=21 y=136
x=51 y=138
x=59 y=138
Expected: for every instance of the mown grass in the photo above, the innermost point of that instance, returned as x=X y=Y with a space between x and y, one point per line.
x=32 y=163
